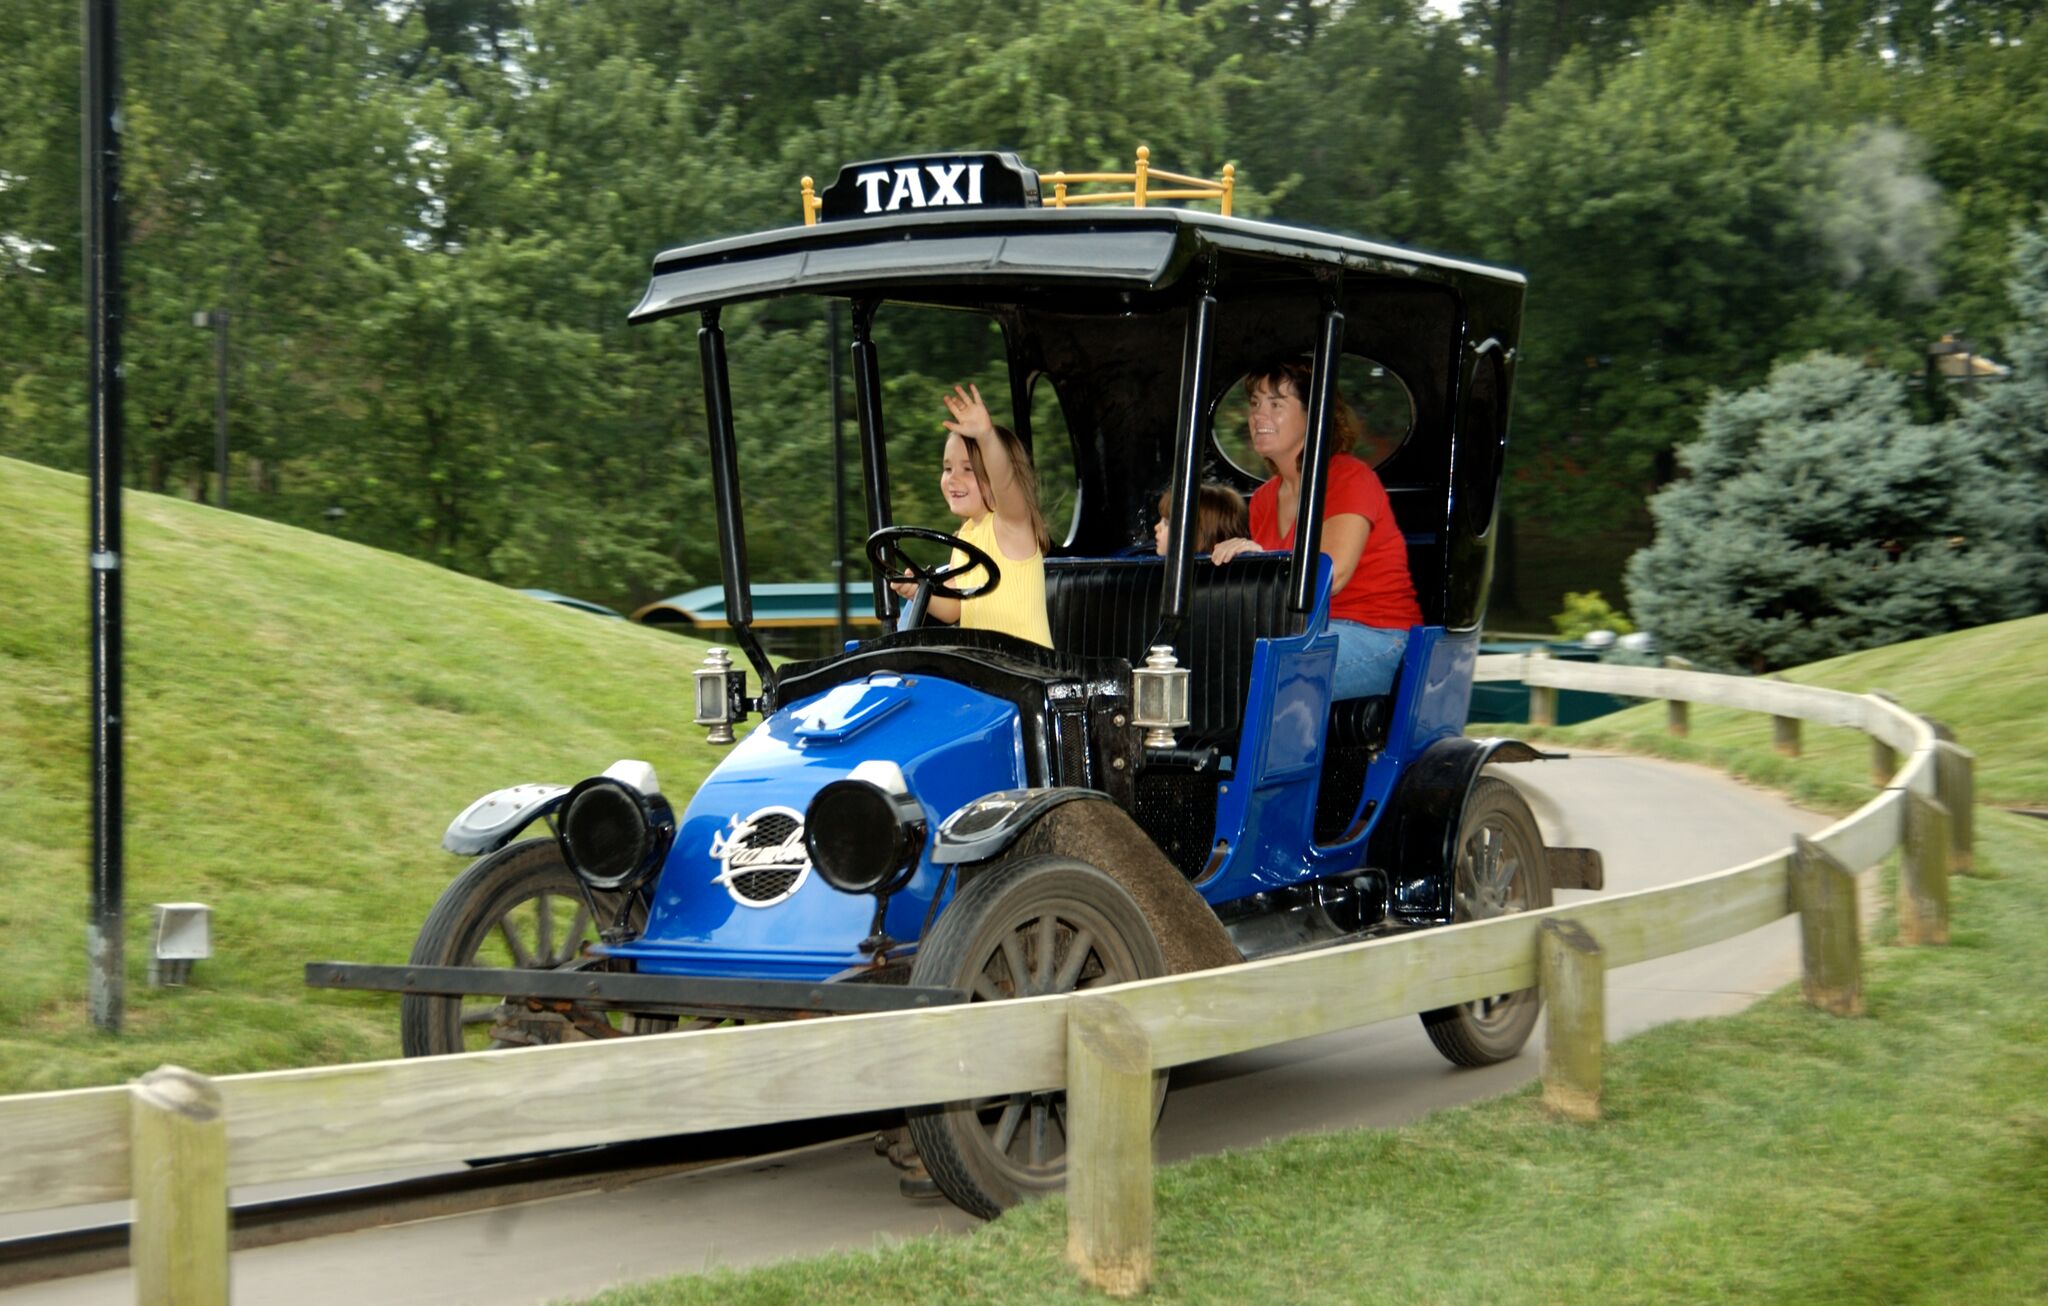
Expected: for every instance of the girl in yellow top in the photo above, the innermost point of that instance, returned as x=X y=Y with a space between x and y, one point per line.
x=988 y=482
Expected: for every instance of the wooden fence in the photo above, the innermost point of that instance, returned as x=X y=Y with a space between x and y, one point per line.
x=175 y=1141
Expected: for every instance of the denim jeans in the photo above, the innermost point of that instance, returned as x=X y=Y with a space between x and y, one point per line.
x=1367 y=658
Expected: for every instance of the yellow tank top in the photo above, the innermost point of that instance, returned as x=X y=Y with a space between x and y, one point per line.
x=1018 y=605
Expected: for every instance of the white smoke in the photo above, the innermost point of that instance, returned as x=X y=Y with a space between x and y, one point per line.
x=1876 y=211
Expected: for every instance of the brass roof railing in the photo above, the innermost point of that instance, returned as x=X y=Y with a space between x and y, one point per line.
x=1143 y=188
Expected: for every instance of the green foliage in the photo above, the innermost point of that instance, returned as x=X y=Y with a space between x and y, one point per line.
x=1694 y=191
x=1817 y=519
x=1589 y=612
x=1673 y=214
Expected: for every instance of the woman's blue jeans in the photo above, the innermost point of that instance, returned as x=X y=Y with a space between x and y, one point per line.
x=1367 y=659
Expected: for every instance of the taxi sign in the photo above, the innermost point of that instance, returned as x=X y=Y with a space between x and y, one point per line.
x=886 y=187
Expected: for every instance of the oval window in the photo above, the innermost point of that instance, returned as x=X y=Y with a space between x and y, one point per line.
x=1385 y=411
x=1052 y=457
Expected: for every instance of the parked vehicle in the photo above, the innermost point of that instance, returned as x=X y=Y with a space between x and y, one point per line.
x=941 y=815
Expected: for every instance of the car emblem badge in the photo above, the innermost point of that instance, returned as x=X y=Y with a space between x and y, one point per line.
x=762 y=858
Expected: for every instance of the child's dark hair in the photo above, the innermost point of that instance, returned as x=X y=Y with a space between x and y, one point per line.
x=1220 y=514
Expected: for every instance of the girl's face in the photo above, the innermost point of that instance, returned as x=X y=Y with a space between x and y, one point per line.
x=1159 y=530
x=1279 y=423
x=957 y=483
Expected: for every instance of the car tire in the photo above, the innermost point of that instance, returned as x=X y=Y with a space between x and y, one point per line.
x=989 y=1154
x=520 y=907
x=1499 y=868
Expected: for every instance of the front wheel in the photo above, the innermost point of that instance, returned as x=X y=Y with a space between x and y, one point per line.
x=1028 y=927
x=1500 y=868
x=519 y=908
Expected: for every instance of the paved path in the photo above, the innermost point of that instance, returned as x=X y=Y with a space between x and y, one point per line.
x=1656 y=822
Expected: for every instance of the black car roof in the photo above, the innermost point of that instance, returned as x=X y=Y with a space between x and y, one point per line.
x=1006 y=255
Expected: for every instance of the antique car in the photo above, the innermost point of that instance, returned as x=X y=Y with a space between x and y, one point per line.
x=940 y=815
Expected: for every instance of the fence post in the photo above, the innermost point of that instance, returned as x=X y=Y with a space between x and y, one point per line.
x=1575 y=1033
x=1109 y=1147
x=1830 y=942
x=1956 y=785
x=1923 y=872
x=1785 y=735
x=1542 y=698
x=1677 y=717
x=1677 y=712
x=178 y=1141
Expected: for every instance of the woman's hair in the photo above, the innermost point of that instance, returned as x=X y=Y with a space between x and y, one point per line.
x=1021 y=468
x=1296 y=375
x=1219 y=514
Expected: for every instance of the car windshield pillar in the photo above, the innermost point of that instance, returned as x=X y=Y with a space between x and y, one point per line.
x=1308 y=516
x=874 y=455
x=725 y=489
x=1197 y=348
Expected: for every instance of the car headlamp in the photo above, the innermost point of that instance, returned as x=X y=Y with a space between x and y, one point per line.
x=613 y=835
x=863 y=838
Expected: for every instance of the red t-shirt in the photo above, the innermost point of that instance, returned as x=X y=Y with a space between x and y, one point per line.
x=1380 y=592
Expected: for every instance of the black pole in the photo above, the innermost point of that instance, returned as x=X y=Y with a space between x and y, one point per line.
x=1196 y=346
x=725 y=490
x=874 y=455
x=838 y=473
x=220 y=403
x=105 y=959
x=1315 y=463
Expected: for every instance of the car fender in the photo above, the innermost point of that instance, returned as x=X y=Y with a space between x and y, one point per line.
x=490 y=822
x=984 y=828
x=1415 y=842
x=1088 y=825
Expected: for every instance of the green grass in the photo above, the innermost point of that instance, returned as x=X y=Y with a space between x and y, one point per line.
x=1989 y=683
x=304 y=717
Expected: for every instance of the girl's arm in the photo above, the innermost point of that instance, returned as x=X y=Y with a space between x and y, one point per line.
x=937 y=608
x=970 y=421
x=1344 y=542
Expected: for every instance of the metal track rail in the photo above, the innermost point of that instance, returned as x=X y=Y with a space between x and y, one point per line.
x=493 y=1183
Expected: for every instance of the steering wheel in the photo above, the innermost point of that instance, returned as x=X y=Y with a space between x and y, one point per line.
x=885 y=551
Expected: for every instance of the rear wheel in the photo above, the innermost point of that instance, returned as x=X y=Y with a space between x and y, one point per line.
x=519 y=908
x=1499 y=869
x=1032 y=926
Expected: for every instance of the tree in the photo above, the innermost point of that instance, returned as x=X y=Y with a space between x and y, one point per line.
x=1350 y=115
x=1725 y=199
x=1816 y=518
x=2008 y=421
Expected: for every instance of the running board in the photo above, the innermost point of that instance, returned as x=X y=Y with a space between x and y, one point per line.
x=680 y=995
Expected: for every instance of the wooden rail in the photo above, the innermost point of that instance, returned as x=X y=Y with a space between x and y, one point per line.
x=174 y=1140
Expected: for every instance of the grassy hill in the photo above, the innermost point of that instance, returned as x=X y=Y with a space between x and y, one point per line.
x=304 y=716
x=1989 y=683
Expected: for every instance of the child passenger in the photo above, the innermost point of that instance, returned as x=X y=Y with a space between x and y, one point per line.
x=1219 y=515
x=988 y=482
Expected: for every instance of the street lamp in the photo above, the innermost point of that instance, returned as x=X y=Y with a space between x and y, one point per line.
x=218 y=320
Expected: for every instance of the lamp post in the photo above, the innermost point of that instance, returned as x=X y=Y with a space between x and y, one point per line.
x=104 y=220
x=218 y=319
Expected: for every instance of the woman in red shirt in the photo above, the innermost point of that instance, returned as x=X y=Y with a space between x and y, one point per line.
x=1372 y=598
